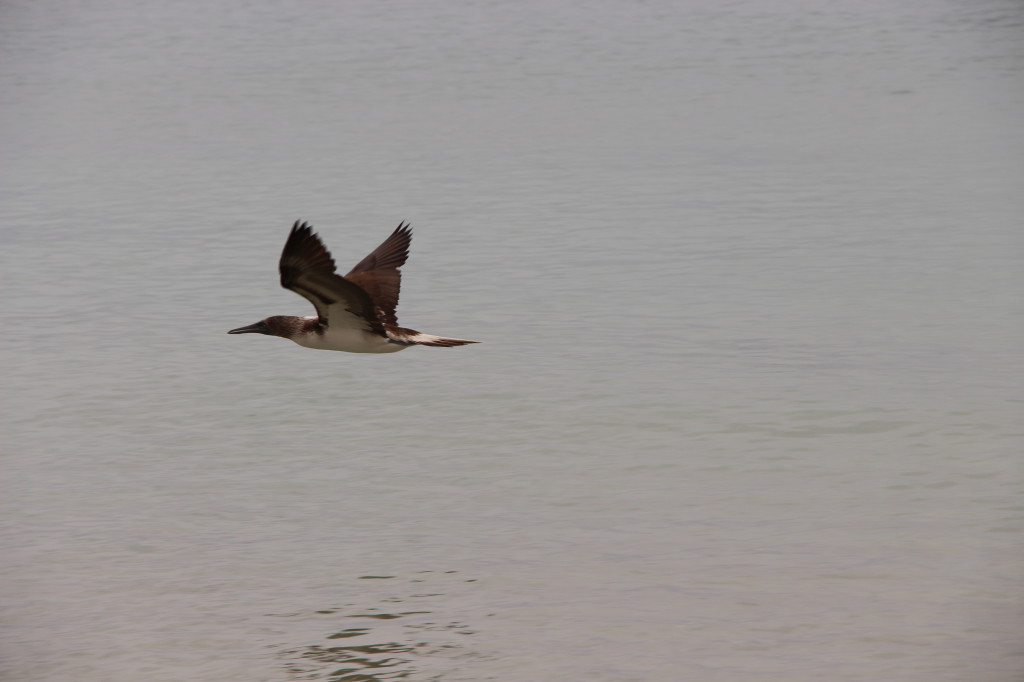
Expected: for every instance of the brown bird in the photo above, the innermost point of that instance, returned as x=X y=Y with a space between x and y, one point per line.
x=354 y=313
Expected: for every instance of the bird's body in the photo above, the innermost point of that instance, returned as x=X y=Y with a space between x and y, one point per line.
x=355 y=313
x=348 y=339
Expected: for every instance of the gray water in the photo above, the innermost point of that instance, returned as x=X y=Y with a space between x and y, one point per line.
x=749 y=277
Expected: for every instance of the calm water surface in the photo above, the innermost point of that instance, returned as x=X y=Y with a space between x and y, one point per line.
x=749 y=277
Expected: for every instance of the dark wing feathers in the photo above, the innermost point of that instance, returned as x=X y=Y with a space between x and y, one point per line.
x=307 y=269
x=378 y=273
x=391 y=254
x=305 y=247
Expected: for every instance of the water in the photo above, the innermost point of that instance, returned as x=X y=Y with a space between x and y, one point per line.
x=749 y=277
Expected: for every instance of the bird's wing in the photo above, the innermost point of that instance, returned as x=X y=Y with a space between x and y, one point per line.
x=378 y=273
x=307 y=269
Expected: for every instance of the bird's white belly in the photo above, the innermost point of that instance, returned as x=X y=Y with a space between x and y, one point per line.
x=349 y=340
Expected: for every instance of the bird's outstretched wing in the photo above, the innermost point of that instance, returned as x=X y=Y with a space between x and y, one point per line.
x=307 y=269
x=378 y=273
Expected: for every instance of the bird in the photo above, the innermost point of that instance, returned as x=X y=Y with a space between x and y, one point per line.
x=354 y=313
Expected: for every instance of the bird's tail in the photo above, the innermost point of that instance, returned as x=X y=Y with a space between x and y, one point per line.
x=440 y=341
x=411 y=337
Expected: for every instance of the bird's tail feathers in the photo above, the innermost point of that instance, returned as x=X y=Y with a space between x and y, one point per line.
x=441 y=341
x=414 y=338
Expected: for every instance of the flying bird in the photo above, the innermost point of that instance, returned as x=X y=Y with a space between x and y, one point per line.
x=354 y=313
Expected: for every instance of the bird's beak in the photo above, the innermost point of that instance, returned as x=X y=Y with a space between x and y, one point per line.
x=258 y=328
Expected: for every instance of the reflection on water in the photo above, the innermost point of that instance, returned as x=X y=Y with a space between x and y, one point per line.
x=386 y=641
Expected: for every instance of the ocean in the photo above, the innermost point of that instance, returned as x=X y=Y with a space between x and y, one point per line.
x=748 y=277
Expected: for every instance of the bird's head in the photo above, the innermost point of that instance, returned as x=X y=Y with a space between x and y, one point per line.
x=278 y=325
